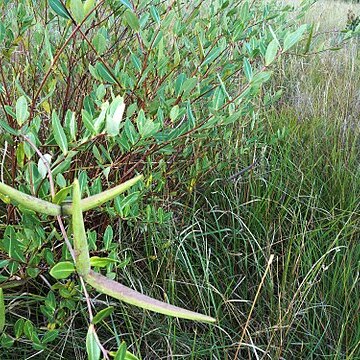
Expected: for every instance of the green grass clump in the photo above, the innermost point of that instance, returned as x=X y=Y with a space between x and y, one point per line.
x=300 y=203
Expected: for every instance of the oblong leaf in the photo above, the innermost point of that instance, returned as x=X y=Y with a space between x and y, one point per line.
x=62 y=270
x=292 y=38
x=104 y=73
x=132 y=20
x=77 y=10
x=271 y=52
x=5 y=126
x=92 y=347
x=61 y=195
x=121 y=353
x=212 y=56
x=127 y=4
x=113 y=120
x=59 y=8
x=96 y=261
x=123 y=293
x=22 y=112
x=59 y=133
x=102 y=314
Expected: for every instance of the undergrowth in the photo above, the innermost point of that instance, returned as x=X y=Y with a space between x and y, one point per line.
x=284 y=180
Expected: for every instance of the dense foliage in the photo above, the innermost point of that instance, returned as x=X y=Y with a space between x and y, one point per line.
x=102 y=91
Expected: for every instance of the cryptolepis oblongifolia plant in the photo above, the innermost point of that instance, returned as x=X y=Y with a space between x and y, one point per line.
x=81 y=248
x=106 y=89
x=82 y=257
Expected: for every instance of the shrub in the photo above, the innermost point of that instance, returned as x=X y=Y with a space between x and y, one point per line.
x=101 y=91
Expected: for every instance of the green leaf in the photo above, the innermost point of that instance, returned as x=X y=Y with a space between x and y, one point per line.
x=127 y=4
x=19 y=327
x=92 y=347
x=10 y=111
x=261 y=78
x=97 y=261
x=136 y=61
x=62 y=270
x=104 y=73
x=309 y=39
x=88 y=121
x=88 y=6
x=22 y=112
x=2 y=36
x=108 y=236
x=121 y=353
x=11 y=245
x=113 y=120
x=5 y=126
x=130 y=132
x=6 y=341
x=50 y=336
x=132 y=20
x=29 y=330
x=146 y=126
x=4 y=263
x=155 y=14
x=271 y=52
x=59 y=8
x=130 y=356
x=70 y=124
x=77 y=10
x=99 y=121
x=174 y=112
x=212 y=56
x=102 y=314
x=294 y=37
x=100 y=43
x=218 y=98
x=61 y=195
x=247 y=69
x=59 y=133
x=190 y=116
x=2 y=311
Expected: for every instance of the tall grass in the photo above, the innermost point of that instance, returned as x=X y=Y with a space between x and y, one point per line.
x=301 y=204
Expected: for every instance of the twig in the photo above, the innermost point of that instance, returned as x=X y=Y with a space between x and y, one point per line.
x=253 y=305
x=3 y=161
x=242 y=171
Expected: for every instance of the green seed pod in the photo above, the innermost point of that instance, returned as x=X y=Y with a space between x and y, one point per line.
x=30 y=202
x=123 y=293
x=81 y=248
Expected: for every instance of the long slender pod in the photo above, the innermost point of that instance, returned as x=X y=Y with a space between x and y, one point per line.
x=94 y=201
x=30 y=202
x=81 y=247
x=123 y=293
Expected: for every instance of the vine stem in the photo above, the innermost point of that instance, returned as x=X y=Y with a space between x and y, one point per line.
x=3 y=161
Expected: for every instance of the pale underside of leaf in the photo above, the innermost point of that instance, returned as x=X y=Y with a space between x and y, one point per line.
x=123 y=293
